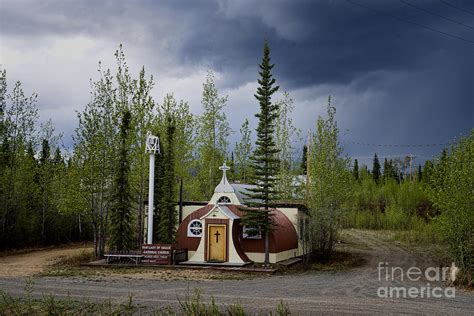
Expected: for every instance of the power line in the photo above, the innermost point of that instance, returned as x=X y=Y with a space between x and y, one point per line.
x=409 y=21
x=435 y=14
x=455 y=7
x=400 y=145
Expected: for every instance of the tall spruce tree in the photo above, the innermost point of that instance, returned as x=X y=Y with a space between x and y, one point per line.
x=355 y=170
x=159 y=187
x=168 y=215
x=264 y=159
x=376 y=169
x=121 y=213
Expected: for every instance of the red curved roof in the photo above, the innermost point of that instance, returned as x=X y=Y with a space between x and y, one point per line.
x=282 y=238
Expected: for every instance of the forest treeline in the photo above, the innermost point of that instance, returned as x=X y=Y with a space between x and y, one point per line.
x=433 y=204
x=51 y=194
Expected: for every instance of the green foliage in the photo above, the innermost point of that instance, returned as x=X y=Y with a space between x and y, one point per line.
x=192 y=305
x=212 y=134
x=355 y=170
x=141 y=108
x=243 y=151
x=329 y=184
x=29 y=175
x=184 y=140
x=304 y=160
x=285 y=135
x=451 y=190
x=121 y=216
x=376 y=169
x=167 y=208
x=264 y=160
x=94 y=157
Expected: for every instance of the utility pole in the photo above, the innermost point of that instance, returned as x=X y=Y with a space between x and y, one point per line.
x=152 y=147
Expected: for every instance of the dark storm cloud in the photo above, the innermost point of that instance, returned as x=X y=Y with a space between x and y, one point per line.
x=393 y=81
x=313 y=42
x=323 y=41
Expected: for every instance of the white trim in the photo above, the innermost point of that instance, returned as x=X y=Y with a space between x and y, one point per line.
x=224 y=211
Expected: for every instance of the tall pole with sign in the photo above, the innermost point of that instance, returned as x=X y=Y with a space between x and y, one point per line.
x=152 y=147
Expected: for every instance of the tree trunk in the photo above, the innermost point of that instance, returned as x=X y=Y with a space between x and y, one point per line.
x=43 y=215
x=267 y=249
x=79 y=223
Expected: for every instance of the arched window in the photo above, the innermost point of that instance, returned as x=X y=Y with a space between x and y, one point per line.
x=223 y=200
x=195 y=228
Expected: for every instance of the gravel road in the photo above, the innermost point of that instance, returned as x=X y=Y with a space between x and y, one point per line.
x=353 y=291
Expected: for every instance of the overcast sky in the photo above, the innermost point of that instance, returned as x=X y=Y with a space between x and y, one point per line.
x=399 y=72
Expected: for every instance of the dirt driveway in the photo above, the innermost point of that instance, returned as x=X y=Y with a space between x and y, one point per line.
x=34 y=262
x=352 y=291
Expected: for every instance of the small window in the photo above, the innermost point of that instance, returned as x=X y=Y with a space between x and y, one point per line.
x=251 y=233
x=223 y=200
x=195 y=228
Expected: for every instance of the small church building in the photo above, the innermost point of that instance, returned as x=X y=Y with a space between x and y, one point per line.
x=212 y=232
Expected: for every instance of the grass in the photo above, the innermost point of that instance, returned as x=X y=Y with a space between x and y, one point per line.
x=192 y=305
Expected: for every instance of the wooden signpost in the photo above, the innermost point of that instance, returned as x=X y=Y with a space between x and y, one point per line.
x=157 y=254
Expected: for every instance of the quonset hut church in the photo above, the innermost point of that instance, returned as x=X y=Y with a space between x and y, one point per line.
x=212 y=233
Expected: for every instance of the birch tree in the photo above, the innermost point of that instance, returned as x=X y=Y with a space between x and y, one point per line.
x=94 y=155
x=329 y=185
x=142 y=121
x=19 y=132
x=243 y=151
x=285 y=135
x=213 y=131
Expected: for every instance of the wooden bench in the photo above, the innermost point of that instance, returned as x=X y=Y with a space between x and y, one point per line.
x=136 y=258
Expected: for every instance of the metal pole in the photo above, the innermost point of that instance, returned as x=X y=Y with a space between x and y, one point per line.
x=151 y=189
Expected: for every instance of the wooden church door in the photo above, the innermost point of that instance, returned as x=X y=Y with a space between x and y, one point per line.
x=217 y=243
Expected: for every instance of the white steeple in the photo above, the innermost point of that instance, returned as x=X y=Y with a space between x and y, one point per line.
x=224 y=186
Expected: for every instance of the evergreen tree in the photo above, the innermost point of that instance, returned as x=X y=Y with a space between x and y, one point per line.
x=264 y=160
x=304 y=159
x=45 y=166
x=376 y=169
x=355 y=170
x=184 y=141
x=168 y=215
x=427 y=171
x=121 y=213
x=387 y=170
x=420 y=173
x=159 y=188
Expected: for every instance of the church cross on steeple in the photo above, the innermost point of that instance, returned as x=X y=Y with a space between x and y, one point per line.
x=224 y=169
